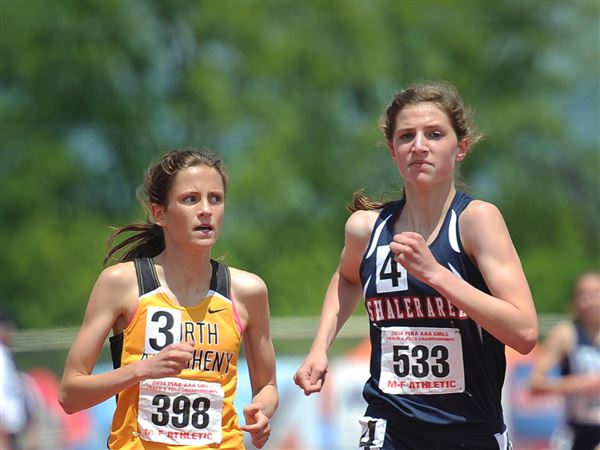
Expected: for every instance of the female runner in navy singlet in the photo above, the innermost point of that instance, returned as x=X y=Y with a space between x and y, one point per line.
x=443 y=286
x=573 y=345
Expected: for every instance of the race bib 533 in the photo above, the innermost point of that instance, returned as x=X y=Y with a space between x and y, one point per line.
x=421 y=360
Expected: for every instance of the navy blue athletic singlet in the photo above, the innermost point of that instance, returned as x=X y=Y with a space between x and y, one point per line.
x=583 y=411
x=431 y=365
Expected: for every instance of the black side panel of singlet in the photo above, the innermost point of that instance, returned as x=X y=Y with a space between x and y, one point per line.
x=220 y=280
x=147 y=282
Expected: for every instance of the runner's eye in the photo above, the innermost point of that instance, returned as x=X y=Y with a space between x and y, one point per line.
x=215 y=199
x=405 y=137
x=189 y=199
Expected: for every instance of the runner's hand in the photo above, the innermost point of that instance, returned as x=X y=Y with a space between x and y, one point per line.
x=412 y=252
x=170 y=361
x=257 y=424
x=311 y=374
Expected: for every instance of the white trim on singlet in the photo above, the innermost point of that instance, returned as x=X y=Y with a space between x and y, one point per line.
x=453 y=232
x=454 y=271
x=376 y=235
x=152 y=292
x=366 y=286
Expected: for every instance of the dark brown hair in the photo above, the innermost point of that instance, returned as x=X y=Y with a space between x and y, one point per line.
x=147 y=239
x=445 y=96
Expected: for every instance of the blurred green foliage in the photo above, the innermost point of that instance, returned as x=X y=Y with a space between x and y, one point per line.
x=289 y=93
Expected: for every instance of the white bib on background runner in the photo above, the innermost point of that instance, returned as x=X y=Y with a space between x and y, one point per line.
x=421 y=360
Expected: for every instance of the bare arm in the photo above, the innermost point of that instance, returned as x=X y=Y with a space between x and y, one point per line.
x=509 y=312
x=250 y=293
x=560 y=342
x=341 y=298
x=115 y=288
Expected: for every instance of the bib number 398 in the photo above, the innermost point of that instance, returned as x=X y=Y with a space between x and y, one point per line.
x=180 y=412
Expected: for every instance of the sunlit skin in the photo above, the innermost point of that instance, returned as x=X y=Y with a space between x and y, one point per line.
x=425 y=147
x=191 y=220
x=562 y=339
x=195 y=208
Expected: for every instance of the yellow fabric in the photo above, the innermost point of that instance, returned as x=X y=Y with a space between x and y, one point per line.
x=220 y=366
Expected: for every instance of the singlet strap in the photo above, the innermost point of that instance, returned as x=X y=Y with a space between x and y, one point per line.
x=220 y=280
x=147 y=282
x=116 y=349
x=146 y=275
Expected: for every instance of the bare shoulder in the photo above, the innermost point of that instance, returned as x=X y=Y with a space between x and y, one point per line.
x=113 y=299
x=360 y=225
x=480 y=211
x=117 y=286
x=562 y=334
x=246 y=284
x=121 y=276
x=482 y=226
x=560 y=340
x=250 y=295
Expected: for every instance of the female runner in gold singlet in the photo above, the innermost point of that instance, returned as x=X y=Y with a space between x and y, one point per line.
x=178 y=318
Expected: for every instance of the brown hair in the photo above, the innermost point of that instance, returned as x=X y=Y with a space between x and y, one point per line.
x=446 y=97
x=147 y=239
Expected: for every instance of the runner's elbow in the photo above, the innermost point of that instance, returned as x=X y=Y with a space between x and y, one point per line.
x=527 y=341
x=66 y=401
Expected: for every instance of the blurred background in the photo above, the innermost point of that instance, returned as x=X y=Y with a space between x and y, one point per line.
x=289 y=93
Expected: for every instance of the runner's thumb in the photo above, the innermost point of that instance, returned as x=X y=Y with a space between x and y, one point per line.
x=250 y=412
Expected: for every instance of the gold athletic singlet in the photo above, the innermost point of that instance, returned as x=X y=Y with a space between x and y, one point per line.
x=195 y=409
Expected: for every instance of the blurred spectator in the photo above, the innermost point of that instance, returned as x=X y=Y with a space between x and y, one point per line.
x=13 y=411
x=574 y=346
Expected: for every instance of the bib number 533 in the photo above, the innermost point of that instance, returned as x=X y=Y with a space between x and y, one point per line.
x=416 y=361
x=421 y=361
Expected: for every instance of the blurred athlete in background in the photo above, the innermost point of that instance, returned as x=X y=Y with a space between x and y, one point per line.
x=574 y=346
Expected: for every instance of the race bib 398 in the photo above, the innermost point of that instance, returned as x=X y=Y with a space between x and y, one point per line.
x=180 y=412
